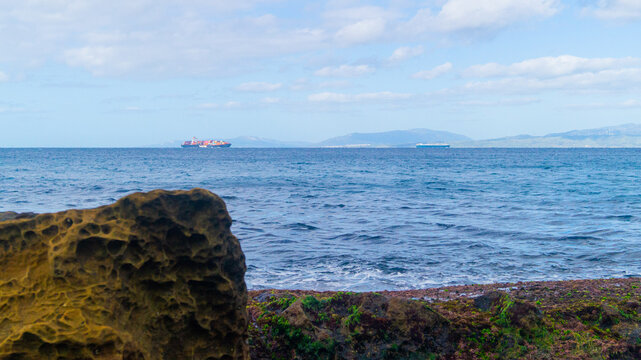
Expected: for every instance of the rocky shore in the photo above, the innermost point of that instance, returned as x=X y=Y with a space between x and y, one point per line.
x=159 y=275
x=582 y=319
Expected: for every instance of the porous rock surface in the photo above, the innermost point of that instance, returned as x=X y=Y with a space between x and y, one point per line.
x=156 y=275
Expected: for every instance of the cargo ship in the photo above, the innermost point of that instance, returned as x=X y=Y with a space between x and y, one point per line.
x=195 y=143
x=432 y=145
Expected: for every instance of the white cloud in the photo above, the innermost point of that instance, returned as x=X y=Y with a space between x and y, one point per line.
x=336 y=84
x=605 y=80
x=306 y=85
x=259 y=86
x=616 y=10
x=97 y=58
x=227 y=105
x=345 y=71
x=435 y=72
x=6 y=108
x=631 y=103
x=342 y=14
x=627 y=104
x=231 y=104
x=270 y=100
x=479 y=15
x=501 y=102
x=142 y=37
x=3 y=77
x=208 y=106
x=360 y=32
x=210 y=37
x=357 y=24
x=300 y=85
x=567 y=73
x=405 y=52
x=550 y=66
x=331 y=97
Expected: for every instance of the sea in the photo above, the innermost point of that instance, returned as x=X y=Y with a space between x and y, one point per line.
x=376 y=219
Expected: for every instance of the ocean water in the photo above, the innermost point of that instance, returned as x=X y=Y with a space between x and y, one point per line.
x=374 y=219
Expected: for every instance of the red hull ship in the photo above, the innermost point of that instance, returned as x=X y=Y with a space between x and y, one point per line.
x=194 y=143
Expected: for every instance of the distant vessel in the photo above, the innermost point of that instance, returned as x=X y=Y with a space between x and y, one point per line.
x=432 y=145
x=195 y=143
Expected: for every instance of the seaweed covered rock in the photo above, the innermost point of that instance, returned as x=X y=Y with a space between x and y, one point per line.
x=346 y=326
x=156 y=275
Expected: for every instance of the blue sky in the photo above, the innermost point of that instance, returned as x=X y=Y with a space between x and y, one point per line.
x=139 y=72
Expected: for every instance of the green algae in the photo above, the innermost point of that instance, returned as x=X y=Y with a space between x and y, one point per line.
x=342 y=325
x=555 y=321
x=354 y=317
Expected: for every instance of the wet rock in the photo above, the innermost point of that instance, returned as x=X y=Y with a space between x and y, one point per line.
x=265 y=297
x=350 y=326
x=487 y=302
x=524 y=314
x=297 y=317
x=154 y=276
x=10 y=215
x=610 y=316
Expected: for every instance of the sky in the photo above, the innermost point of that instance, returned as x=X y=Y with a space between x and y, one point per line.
x=140 y=72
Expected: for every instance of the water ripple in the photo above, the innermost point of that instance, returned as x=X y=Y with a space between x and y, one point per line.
x=371 y=219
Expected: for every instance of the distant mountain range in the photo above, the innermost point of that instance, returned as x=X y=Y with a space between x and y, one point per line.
x=628 y=135
x=258 y=142
x=398 y=138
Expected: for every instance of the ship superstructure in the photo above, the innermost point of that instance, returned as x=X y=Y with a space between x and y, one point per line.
x=195 y=143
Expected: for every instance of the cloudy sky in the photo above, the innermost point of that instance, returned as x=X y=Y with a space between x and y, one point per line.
x=138 y=72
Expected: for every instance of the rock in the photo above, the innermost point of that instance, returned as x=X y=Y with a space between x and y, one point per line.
x=610 y=316
x=154 y=276
x=487 y=302
x=10 y=215
x=423 y=328
x=524 y=314
x=297 y=316
x=351 y=326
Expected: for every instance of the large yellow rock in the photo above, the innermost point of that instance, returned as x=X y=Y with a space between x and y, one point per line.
x=154 y=276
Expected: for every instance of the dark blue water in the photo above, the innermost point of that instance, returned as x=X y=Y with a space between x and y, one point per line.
x=365 y=219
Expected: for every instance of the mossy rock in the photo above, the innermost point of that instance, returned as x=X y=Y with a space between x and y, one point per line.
x=350 y=326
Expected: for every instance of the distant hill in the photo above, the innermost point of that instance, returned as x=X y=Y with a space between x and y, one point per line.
x=627 y=130
x=628 y=135
x=397 y=138
x=257 y=142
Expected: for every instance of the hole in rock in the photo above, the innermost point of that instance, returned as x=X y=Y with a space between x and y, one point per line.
x=92 y=228
x=93 y=247
x=106 y=229
x=115 y=246
x=50 y=231
x=30 y=235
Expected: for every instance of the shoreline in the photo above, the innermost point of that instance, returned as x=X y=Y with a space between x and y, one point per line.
x=571 y=319
x=128 y=267
x=522 y=289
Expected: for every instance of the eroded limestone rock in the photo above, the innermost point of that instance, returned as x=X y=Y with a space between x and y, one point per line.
x=154 y=276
